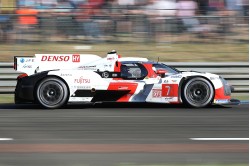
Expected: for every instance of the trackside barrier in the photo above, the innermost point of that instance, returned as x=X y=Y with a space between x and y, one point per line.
x=236 y=73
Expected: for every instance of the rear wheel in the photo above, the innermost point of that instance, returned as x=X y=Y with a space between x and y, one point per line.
x=198 y=92
x=52 y=93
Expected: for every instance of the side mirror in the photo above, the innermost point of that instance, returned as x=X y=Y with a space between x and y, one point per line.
x=161 y=72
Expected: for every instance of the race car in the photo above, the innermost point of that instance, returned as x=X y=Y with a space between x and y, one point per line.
x=54 y=80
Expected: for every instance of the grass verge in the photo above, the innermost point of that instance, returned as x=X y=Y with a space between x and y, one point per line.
x=167 y=52
x=6 y=98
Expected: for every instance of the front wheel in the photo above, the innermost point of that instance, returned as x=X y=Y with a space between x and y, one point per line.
x=198 y=92
x=52 y=93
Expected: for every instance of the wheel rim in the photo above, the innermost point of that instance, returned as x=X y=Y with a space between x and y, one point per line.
x=51 y=93
x=198 y=92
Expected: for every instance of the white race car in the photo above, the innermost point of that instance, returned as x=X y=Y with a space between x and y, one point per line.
x=54 y=80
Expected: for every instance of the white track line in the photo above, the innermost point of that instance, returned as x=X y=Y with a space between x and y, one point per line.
x=220 y=139
x=6 y=139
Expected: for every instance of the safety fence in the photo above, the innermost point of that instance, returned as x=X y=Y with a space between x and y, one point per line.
x=236 y=73
x=57 y=26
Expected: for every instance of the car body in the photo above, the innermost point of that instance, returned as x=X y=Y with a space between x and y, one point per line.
x=54 y=80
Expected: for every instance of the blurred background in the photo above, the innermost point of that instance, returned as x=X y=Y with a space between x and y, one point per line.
x=166 y=30
x=169 y=30
x=174 y=30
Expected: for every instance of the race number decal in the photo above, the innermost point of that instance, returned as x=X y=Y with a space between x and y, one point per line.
x=169 y=90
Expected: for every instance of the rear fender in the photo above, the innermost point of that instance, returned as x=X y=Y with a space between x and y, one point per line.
x=50 y=76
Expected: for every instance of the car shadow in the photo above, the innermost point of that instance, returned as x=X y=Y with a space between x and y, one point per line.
x=112 y=105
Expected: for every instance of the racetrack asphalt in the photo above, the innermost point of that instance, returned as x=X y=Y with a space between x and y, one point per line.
x=117 y=133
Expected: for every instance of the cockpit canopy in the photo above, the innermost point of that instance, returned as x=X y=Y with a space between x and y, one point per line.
x=140 y=70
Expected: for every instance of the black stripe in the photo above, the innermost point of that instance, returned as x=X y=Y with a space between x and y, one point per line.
x=102 y=95
x=83 y=93
x=107 y=74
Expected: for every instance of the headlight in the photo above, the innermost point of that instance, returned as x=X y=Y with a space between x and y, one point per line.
x=227 y=88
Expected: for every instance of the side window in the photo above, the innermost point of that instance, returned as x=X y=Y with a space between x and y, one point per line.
x=125 y=71
x=133 y=71
x=164 y=67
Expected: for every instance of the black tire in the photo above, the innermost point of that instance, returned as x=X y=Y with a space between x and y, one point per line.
x=52 y=93
x=198 y=92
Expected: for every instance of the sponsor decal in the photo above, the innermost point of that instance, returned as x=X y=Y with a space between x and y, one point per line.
x=75 y=58
x=29 y=60
x=81 y=87
x=57 y=58
x=105 y=74
x=176 y=76
x=122 y=88
x=221 y=100
x=22 y=60
x=156 y=93
x=169 y=99
x=213 y=78
x=111 y=59
x=65 y=75
x=166 y=81
x=27 y=66
x=82 y=80
x=87 y=67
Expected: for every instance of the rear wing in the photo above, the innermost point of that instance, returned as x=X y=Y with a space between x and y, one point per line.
x=43 y=62
x=25 y=64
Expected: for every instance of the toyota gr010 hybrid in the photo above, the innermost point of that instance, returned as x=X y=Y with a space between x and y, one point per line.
x=53 y=80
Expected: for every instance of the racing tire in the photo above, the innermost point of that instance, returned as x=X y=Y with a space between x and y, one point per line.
x=52 y=93
x=198 y=92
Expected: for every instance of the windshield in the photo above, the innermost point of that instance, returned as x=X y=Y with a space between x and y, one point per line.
x=170 y=70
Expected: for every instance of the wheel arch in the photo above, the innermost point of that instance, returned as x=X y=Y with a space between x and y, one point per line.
x=50 y=76
x=184 y=80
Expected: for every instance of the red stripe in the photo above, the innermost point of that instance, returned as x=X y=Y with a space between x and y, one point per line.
x=151 y=73
x=219 y=94
x=117 y=68
x=123 y=86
